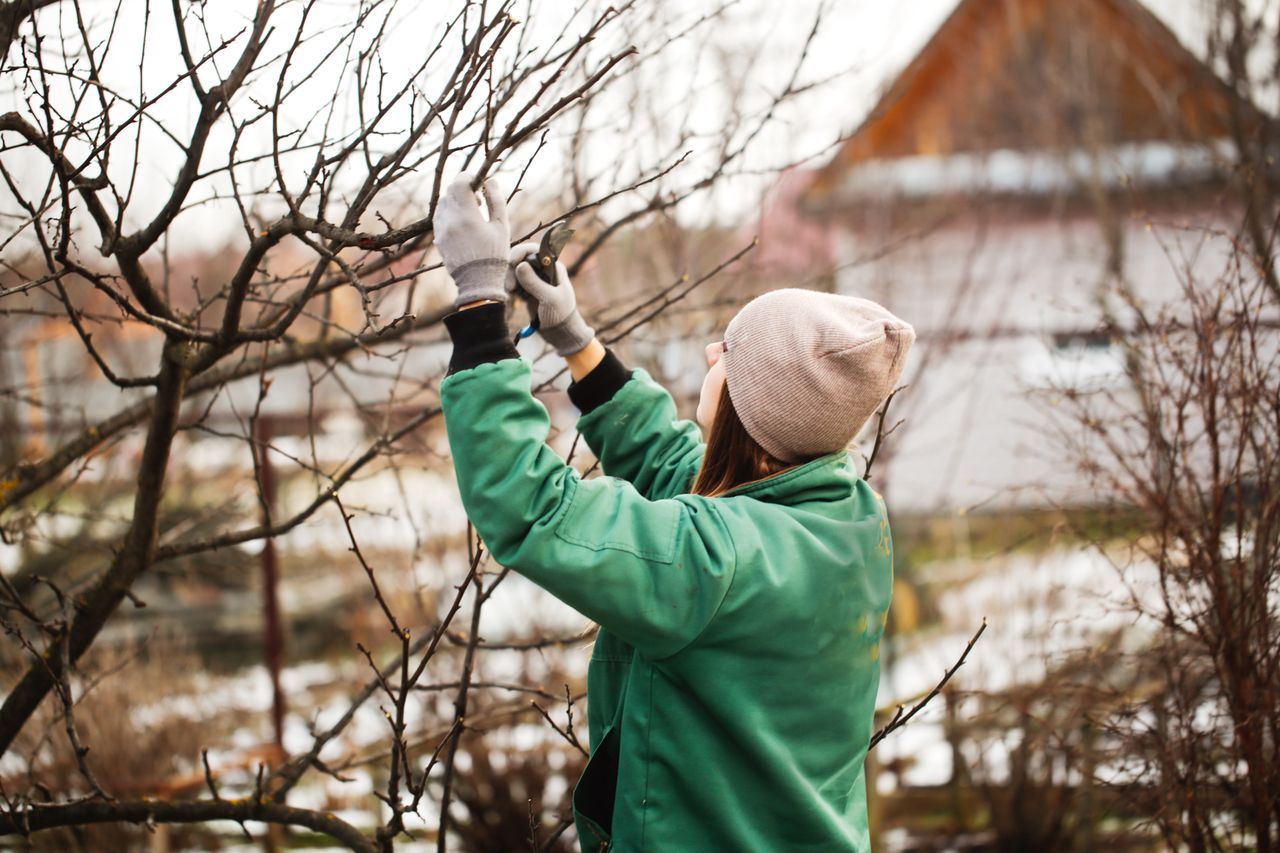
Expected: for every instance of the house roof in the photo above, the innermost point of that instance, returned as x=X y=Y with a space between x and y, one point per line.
x=1038 y=76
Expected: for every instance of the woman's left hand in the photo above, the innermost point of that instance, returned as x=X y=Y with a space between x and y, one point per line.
x=474 y=249
x=560 y=324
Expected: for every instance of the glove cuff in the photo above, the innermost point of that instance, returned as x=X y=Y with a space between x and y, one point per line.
x=569 y=336
x=480 y=279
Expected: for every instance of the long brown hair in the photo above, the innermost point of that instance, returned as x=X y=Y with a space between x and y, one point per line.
x=733 y=458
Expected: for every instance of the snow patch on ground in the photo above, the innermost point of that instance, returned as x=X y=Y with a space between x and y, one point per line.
x=1039 y=609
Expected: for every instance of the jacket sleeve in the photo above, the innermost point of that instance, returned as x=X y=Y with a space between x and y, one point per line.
x=654 y=572
x=637 y=436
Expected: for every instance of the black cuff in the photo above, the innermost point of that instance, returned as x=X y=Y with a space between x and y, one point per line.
x=599 y=386
x=479 y=336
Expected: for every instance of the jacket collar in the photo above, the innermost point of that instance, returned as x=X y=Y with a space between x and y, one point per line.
x=826 y=478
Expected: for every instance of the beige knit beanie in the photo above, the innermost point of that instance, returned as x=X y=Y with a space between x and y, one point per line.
x=805 y=370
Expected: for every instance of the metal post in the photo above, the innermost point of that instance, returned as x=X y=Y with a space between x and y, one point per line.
x=273 y=639
x=273 y=635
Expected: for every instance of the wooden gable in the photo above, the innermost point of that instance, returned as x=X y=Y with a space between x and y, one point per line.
x=1040 y=75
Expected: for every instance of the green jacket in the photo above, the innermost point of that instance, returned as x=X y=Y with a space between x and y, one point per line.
x=732 y=685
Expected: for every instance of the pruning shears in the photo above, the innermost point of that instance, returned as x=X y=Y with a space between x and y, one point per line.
x=544 y=266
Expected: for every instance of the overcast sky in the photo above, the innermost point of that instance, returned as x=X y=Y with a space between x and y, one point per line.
x=866 y=42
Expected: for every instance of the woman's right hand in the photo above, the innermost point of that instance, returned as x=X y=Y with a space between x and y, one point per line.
x=560 y=323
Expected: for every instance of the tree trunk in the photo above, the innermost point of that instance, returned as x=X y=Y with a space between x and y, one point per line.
x=134 y=558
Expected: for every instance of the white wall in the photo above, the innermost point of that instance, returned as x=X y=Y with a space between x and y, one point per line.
x=981 y=417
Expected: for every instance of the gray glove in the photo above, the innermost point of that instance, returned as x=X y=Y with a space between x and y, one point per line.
x=560 y=324
x=474 y=250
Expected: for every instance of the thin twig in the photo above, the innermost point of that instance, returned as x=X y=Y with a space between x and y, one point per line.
x=900 y=719
x=881 y=432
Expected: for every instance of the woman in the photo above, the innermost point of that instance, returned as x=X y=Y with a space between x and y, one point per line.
x=741 y=585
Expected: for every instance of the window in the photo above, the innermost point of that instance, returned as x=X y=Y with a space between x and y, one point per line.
x=1074 y=359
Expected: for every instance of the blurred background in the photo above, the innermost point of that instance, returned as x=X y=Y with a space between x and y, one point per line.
x=242 y=604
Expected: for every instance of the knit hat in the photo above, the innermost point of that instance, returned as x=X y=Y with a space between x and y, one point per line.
x=805 y=370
